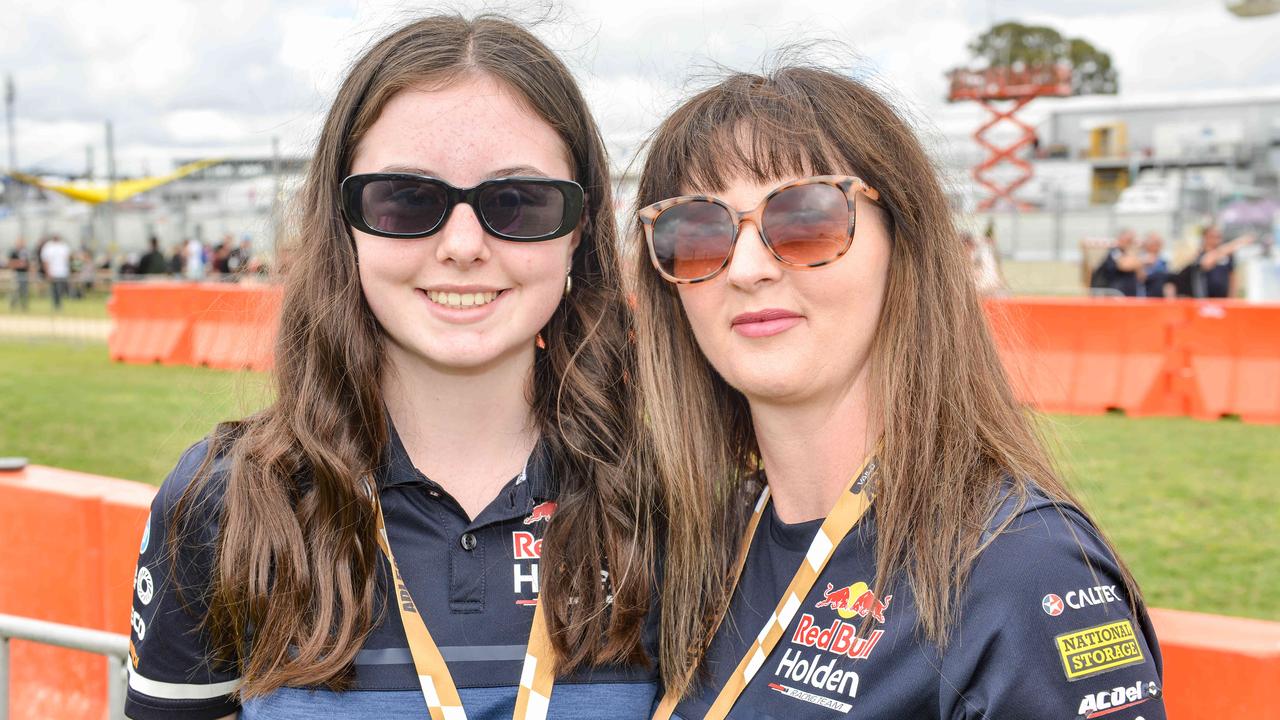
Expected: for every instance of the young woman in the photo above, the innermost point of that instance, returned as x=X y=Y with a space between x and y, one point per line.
x=448 y=394
x=812 y=346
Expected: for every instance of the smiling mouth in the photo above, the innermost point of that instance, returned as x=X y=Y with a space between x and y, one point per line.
x=461 y=300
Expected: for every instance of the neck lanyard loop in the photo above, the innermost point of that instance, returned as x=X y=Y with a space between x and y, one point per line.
x=537 y=676
x=849 y=509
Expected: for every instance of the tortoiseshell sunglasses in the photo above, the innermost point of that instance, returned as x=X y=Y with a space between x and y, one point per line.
x=804 y=223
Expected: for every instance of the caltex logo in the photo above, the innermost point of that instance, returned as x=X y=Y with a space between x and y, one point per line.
x=1052 y=605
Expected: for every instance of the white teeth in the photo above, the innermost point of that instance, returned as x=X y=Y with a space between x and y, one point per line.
x=461 y=300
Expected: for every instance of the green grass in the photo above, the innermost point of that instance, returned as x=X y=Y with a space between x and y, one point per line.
x=1193 y=507
x=93 y=305
x=69 y=406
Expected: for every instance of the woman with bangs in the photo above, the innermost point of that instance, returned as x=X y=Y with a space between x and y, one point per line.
x=448 y=413
x=894 y=538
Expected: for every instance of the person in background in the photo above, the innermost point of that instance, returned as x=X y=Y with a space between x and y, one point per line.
x=193 y=260
x=129 y=268
x=1215 y=265
x=177 y=259
x=1119 y=270
x=222 y=257
x=239 y=256
x=20 y=264
x=55 y=257
x=153 y=261
x=986 y=263
x=1157 y=281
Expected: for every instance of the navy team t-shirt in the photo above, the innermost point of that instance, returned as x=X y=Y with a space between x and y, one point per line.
x=476 y=579
x=1044 y=632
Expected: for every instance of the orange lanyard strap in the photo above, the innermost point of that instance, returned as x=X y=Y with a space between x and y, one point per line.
x=849 y=509
x=537 y=676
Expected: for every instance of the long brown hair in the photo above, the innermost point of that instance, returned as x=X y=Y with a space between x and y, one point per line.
x=955 y=438
x=296 y=557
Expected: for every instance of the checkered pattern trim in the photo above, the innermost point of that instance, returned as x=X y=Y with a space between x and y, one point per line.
x=537 y=677
x=849 y=509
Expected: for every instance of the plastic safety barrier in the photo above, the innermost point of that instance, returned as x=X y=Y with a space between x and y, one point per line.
x=218 y=325
x=1232 y=353
x=68 y=546
x=1088 y=356
x=1218 y=667
x=1194 y=358
x=1203 y=359
x=69 y=542
x=237 y=329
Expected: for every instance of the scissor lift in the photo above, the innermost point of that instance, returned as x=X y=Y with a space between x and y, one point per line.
x=1003 y=92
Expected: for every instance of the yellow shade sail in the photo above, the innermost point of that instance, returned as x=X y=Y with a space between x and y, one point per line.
x=95 y=193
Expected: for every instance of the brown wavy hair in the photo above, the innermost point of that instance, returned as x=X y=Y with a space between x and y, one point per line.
x=955 y=439
x=296 y=558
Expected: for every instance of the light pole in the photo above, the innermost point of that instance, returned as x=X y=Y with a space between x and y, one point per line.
x=16 y=201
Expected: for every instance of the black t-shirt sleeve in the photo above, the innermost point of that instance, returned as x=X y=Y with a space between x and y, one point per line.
x=1046 y=630
x=171 y=674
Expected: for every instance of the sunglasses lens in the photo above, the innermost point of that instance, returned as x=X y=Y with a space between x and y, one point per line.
x=808 y=224
x=402 y=206
x=692 y=240
x=522 y=209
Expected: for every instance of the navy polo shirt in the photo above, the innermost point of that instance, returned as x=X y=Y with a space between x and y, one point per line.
x=1044 y=631
x=475 y=581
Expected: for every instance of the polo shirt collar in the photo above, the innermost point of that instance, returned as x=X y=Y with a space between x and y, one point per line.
x=397 y=469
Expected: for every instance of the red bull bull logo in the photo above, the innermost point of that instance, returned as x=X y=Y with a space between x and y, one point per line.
x=854 y=600
x=541 y=511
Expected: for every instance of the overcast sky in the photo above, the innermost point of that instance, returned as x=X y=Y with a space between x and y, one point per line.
x=216 y=78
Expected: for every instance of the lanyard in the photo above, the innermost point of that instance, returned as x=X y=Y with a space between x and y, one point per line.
x=849 y=509
x=537 y=677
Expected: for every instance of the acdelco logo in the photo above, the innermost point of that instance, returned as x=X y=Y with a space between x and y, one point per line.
x=1109 y=701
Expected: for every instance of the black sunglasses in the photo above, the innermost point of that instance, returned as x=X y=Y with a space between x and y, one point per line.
x=405 y=205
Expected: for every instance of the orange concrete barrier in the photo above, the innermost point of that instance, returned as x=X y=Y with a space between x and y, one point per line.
x=1232 y=352
x=219 y=325
x=68 y=546
x=1218 y=667
x=1080 y=355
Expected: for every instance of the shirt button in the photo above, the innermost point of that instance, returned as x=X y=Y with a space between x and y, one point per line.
x=468 y=541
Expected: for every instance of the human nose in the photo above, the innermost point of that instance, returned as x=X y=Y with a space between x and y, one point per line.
x=752 y=262
x=462 y=240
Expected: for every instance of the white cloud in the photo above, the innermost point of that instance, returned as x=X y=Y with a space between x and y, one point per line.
x=178 y=76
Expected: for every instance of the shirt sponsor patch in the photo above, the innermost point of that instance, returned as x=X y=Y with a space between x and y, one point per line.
x=144 y=585
x=1098 y=649
x=1052 y=605
x=1095 y=705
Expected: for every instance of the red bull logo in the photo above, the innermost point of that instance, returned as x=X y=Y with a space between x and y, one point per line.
x=541 y=511
x=856 y=599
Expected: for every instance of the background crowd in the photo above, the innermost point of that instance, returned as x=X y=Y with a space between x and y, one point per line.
x=71 y=273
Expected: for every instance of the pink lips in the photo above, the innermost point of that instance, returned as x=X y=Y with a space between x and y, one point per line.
x=764 y=323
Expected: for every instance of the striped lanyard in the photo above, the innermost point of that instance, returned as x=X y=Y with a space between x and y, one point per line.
x=537 y=677
x=849 y=509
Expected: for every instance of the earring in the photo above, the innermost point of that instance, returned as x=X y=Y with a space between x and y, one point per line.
x=568 y=284
x=539 y=342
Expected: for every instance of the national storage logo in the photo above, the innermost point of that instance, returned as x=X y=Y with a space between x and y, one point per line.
x=1098 y=649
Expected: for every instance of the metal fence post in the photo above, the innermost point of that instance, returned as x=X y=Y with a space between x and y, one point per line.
x=4 y=678
x=115 y=647
x=115 y=687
